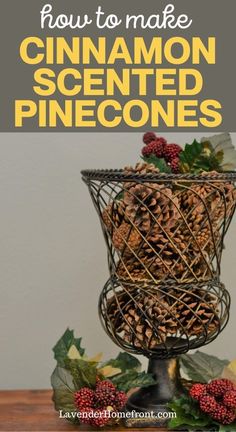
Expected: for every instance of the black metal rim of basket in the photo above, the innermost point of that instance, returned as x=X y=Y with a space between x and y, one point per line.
x=120 y=175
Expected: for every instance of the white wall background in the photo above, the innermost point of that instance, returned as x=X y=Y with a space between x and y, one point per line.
x=52 y=254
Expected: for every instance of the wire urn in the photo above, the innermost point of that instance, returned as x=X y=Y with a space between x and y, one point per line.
x=165 y=237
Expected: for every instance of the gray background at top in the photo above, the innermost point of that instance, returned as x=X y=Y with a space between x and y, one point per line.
x=210 y=18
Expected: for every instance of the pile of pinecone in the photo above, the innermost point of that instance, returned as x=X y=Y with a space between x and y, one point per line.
x=145 y=319
x=171 y=230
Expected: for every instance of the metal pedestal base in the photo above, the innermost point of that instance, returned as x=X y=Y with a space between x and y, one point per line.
x=148 y=406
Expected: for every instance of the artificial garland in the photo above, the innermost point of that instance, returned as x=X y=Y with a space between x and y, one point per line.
x=86 y=390
x=216 y=153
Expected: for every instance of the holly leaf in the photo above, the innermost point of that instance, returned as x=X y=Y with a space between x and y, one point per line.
x=201 y=367
x=190 y=155
x=124 y=361
x=63 y=389
x=188 y=414
x=63 y=346
x=208 y=160
x=83 y=372
x=132 y=379
x=158 y=162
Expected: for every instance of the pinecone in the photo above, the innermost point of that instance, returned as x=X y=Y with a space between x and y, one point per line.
x=196 y=199
x=126 y=239
x=148 y=204
x=142 y=268
x=204 y=239
x=209 y=197
x=168 y=246
x=113 y=215
x=141 y=168
x=161 y=255
x=203 y=206
x=146 y=319
x=197 y=311
x=113 y=310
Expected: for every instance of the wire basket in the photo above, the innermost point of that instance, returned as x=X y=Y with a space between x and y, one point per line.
x=164 y=235
x=163 y=321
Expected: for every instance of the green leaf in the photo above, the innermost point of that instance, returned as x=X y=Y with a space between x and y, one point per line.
x=201 y=367
x=158 y=162
x=228 y=428
x=63 y=389
x=188 y=414
x=124 y=361
x=190 y=155
x=83 y=372
x=132 y=379
x=64 y=344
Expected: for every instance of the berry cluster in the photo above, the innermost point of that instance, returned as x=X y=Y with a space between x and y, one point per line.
x=217 y=399
x=94 y=405
x=159 y=147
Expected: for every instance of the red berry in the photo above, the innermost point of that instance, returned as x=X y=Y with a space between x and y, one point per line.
x=197 y=390
x=156 y=147
x=105 y=394
x=120 y=400
x=86 y=415
x=208 y=404
x=108 y=385
x=149 y=149
x=171 y=151
x=230 y=417
x=160 y=147
x=100 y=418
x=219 y=387
x=162 y=140
x=84 y=398
x=229 y=399
x=149 y=137
x=223 y=415
x=174 y=164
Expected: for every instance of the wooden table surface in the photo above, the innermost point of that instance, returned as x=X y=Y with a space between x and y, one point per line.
x=32 y=410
